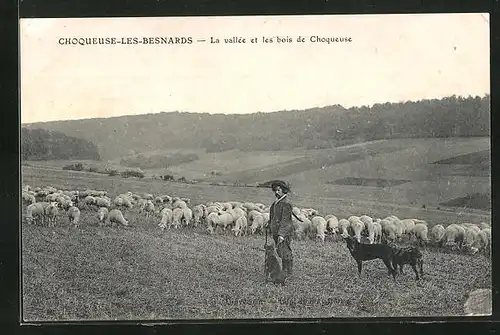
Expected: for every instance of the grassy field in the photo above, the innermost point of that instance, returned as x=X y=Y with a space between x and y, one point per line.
x=438 y=170
x=139 y=272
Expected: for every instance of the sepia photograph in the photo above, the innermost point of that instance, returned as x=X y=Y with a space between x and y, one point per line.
x=255 y=167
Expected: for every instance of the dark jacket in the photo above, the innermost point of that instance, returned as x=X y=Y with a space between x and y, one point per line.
x=280 y=218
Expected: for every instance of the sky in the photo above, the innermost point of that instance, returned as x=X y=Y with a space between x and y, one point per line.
x=390 y=58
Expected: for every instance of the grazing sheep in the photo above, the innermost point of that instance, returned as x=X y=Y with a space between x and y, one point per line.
x=102 y=202
x=250 y=206
x=74 y=215
x=332 y=224
x=356 y=227
x=409 y=226
x=252 y=214
x=437 y=235
x=420 y=231
x=187 y=215
x=149 y=208
x=389 y=232
x=177 y=215
x=179 y=204
x=198 y=214
x=28 y=198
x=215 y=220
x=319 y=226
x=102 y=215
x=344 y=226
x=212 y=209
x=116 y=216
x=35 y=213
x=302 y=224
x=64 y=202
x=483 y=241
x=470 y=238
x=369 y=229
x=51 y=213
x=240 y=226
x=258 y=223
x=166 y=218
x=377 y=232
x=454 y=236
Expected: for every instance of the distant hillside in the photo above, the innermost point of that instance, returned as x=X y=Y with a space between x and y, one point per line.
x=40 y=144
x=312 y=128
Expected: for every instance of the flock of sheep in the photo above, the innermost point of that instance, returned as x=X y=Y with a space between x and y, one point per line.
x=48 y=204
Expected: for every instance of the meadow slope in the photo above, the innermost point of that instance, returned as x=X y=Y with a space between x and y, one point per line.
x=139 y=272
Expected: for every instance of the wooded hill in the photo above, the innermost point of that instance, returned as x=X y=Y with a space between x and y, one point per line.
x=312 y=128
x=39 y=144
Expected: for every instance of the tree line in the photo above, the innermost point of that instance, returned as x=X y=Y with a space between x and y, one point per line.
x=40 y=144
x=313 y=128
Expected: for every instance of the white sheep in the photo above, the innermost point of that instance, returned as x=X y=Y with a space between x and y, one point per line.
x=420 y=231
x=377 y=232
x=177 y=215
x=438 y=234
x=319 y=226
x=454 y=236
x=356 y=226
x=470 y=238
x=240 y=226
x=166 y=218
x=28 y=198
x=149 y=208
x=482 y=241
x=187 y=215
x=51 y=213
x=344 y=227
x=332 y=224
x=35 y=213
x=89 y=200
x=116 y=216
x=409 y=225
x=215 y=220
x=102 y=202
x=389 y=231
x=73 y=215
x=102 y=215
x=258 y=222
x=198 y=214
x=369 y=229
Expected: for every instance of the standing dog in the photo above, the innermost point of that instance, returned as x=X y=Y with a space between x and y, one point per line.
x=408 y=255
x=366 y=252
x=274 y=271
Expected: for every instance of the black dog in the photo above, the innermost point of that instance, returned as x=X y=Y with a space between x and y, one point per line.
x=366 y=252
x=274 y=271
x=408 y=255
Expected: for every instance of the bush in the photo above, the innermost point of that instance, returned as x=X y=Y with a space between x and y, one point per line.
x=167 y=177
x=112 y=173
x=132 y=173
x=93 y=169
x=74 y=167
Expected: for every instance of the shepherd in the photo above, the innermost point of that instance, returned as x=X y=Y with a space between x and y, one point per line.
x=280 y=224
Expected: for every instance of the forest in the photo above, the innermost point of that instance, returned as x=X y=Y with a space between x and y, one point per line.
x=321 y=127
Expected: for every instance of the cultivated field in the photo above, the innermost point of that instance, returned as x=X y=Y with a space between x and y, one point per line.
x=139 y=272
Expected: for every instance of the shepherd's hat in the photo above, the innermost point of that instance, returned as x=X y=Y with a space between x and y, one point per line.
x=284 y=186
